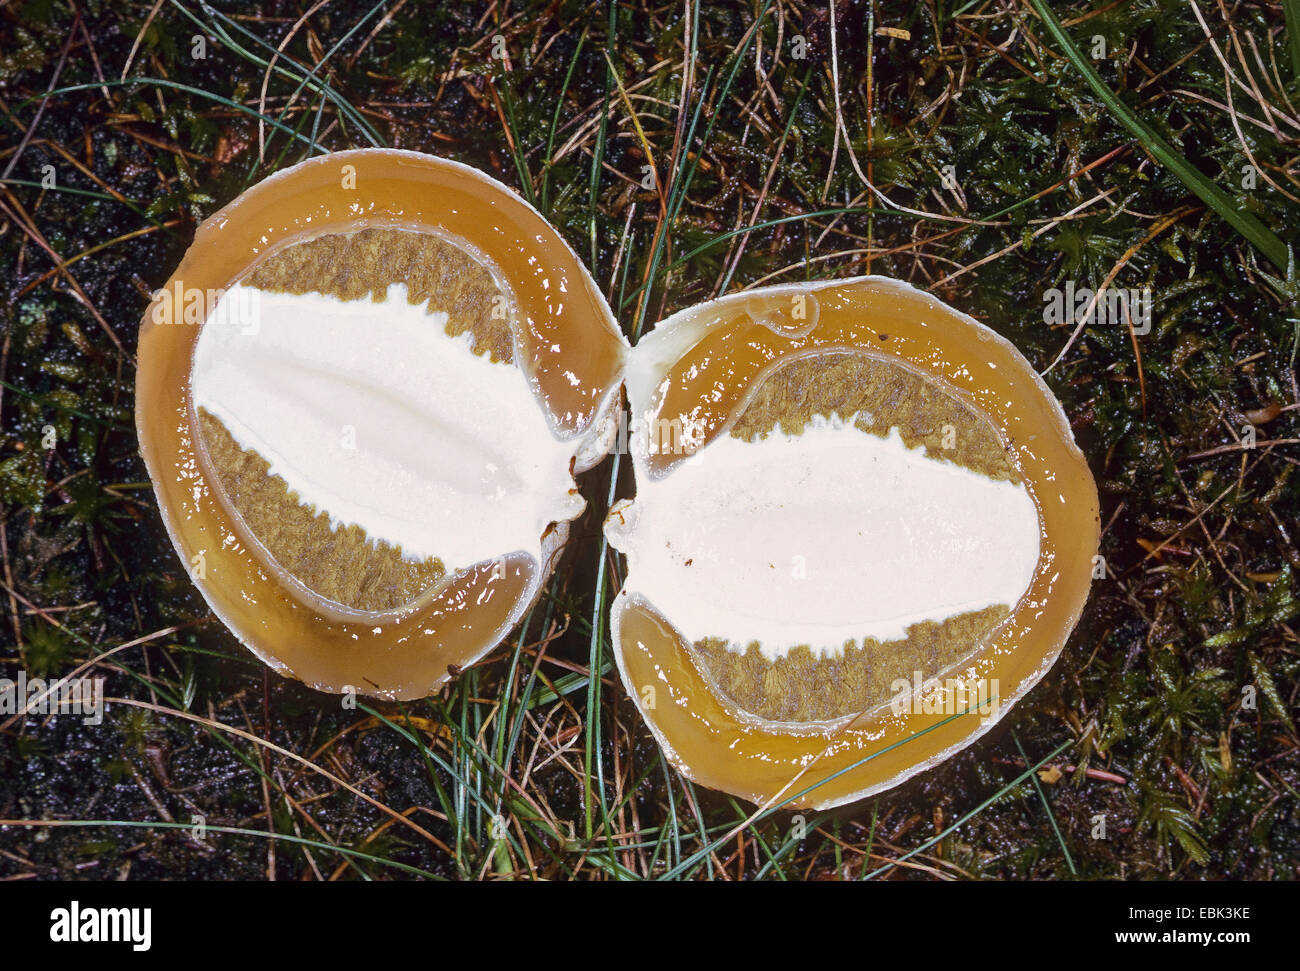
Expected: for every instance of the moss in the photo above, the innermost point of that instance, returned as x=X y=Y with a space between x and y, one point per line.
x=1185 y=530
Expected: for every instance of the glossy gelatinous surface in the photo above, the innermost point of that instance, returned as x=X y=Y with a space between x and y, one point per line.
x=564 y=340
x=697 y=374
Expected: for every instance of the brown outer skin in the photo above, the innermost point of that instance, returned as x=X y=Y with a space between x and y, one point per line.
x=721 y=748
x=410 y=654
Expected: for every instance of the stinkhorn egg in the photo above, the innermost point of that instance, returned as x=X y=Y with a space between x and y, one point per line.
x=362 y=399
x=861 y=531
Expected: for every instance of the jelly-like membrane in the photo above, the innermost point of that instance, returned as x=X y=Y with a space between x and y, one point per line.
x=565 y=342
x=698 y=371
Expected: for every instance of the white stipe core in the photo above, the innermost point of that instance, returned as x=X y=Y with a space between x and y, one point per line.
x=816 y=539
x=370 y=412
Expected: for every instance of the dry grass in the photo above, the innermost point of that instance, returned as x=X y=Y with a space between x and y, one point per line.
x=768 y=167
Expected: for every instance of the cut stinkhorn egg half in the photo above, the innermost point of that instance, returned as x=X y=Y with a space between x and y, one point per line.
x=362 y=400
x=861 y=532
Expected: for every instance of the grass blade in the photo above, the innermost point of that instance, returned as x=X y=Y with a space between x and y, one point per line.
x=1255 y=231
x=1291 y=10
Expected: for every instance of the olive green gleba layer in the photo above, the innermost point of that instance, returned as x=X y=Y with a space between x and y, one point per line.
x=884 y=395
x=437 y=273
x=802 y=687
x=343 y=565
x=346 y=565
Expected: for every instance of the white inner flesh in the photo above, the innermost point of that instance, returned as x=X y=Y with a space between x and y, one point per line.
x=830 y=536
x=370 y=412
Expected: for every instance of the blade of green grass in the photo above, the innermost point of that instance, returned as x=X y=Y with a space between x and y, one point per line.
x=545 y=195
x=1031 y=770
x=188 y=89
x=770 y=810
x=305 y=77
x=1047 y=806
x=871 y=838
x=1251 y=228
x=231 y=831
x=1291 y=10
x=516 y=149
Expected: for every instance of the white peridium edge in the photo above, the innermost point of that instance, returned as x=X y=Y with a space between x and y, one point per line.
x=979 y=725
x=823 y=538
x=372 y=414
x=596 y=437
x=675 y=335
x=662 y=347
x=597 y=434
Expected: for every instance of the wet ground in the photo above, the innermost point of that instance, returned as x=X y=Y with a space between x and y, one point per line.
x=1173 y=705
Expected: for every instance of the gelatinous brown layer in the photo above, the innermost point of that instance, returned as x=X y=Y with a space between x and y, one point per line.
x=727 y=365
x=884 y=396
x=566 y=343
x=437 y=273
x=343 y=565
x=803 y=687
x=715 y=744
